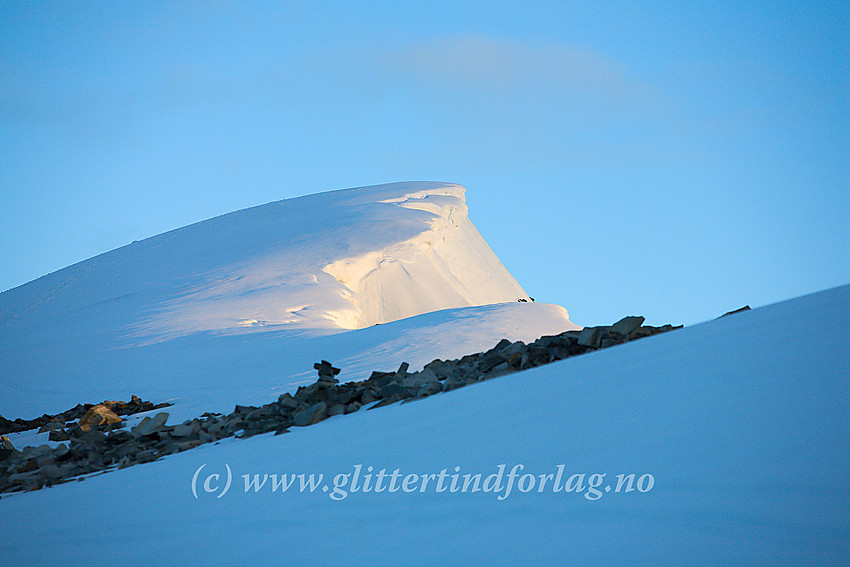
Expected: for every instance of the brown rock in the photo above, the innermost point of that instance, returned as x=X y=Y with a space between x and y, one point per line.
x=98 y=415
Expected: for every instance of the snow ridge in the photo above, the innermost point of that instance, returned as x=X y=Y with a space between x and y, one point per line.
x=205 y=311
x=445 y=266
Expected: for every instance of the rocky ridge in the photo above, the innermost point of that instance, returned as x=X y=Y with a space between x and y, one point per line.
x=98 y=441
x=118 y=407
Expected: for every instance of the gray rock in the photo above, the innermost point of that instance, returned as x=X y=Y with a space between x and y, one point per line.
x=739 y=310
x=591 y=336
x=515 y=348
x=148 y=425
x=22 y=478
x=61 y=452
x=146 y=456
x=59 y=435
x=313 y=414
x=419 y=379
x=626 y=325
x=233 y=425
x=159 y=420
x=500 y=370
x=429 y=389
x=50 y=472
x=390 y=390
x=454 y=382
x=206 y=437
x=45 y=459
x=640 y=333
x=35 y=452
x=391 y=400
x=52 y=425
x=6 y=448
x=143 y=427
x=490 y=361
x=186 y=445
x=287 y=404
x=187 y=429
x=442 y=369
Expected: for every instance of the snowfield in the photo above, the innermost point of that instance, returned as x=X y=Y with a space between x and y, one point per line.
x=735 y=430
x=239 y=307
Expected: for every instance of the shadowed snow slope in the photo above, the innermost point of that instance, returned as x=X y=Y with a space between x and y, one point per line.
x=236 y=307
x=742 y=423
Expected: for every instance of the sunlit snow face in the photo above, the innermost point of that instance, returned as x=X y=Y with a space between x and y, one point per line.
x=342 y=260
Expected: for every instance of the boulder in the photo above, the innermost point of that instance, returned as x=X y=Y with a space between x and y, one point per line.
x=491 y=360
x=390 y=390
x=626 y=325
x=59 y=435
x=6 y=448
x=286 y=404
x=52 y=425
x=61 y=452
x=454 y=382
x=187 y=429
x=570 y=334
x=429 y=389
x=148 y=425
x=442 y=369
x=35 y=452
x=514 y=349
x=50 y=472
x=97 y=416
x=591 y=336
x=186 y=445
x=313 y=414
x=419 y=379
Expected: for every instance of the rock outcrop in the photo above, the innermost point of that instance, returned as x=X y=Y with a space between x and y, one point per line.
x=98 y=442
x=135 y=405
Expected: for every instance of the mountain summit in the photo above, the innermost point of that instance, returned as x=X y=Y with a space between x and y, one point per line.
x=176 y=308
x=344 y=259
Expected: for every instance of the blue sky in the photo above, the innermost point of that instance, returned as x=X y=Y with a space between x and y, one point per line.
x=620 y=158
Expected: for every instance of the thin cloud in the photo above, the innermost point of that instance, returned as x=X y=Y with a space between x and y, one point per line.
x=483 y=63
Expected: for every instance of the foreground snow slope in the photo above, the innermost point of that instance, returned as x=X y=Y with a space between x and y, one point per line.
x=741 y=421
x=236 y=307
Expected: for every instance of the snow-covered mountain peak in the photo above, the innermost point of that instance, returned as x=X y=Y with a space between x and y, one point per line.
x=152 y=316
x=343 y=259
